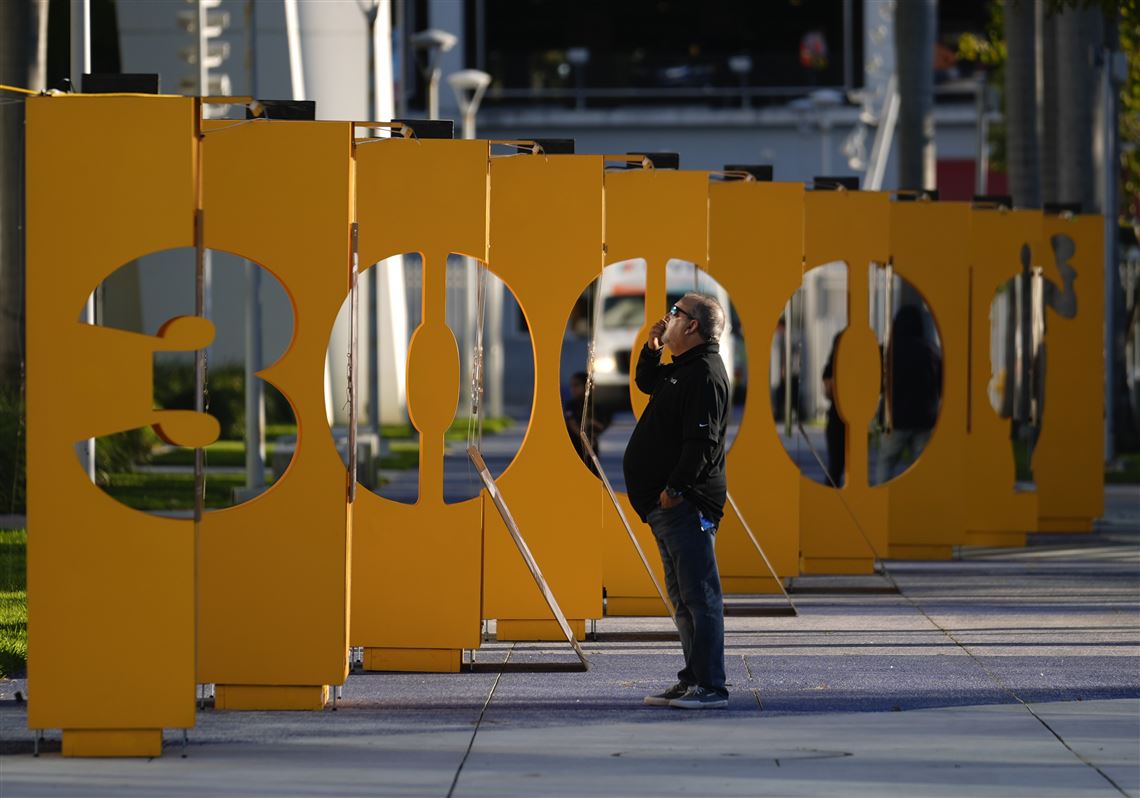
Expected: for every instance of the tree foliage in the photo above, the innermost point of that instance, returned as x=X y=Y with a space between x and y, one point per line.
x=989 y=50
x=1130 y=112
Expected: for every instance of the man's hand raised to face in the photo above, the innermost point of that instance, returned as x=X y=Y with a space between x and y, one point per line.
x=656 y=334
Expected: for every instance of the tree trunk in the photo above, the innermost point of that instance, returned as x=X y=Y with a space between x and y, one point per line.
x=916 y=28
x=1051 y=67
x=15 y=60
x=1022 y=149
x=1079 y=32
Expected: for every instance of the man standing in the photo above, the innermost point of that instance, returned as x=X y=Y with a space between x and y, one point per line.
x=674 y=474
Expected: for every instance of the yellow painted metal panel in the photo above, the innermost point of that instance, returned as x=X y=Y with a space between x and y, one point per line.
x=1065 y=524
x=538 y=630
x=421 y=660
x=647 y=606
x=930 y=248
x=274 y=570
x=546 y=245
x=268 y=697
x=996 y=513
x=112 y=742
x=1068 y=464
x=109 y=180
x=416 y=567
x=756 y=252
x=921 y=551
x=628 y=589
x=655 y=215
x=839 y=528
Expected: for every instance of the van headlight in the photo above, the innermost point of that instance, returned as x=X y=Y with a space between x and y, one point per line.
x=605 y=365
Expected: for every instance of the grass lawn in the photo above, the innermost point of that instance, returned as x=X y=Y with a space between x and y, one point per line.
x=1126 y=472
x=402 y=456
x=171 y=491
x=13 y=602
x=403 y=447
x=220 y=453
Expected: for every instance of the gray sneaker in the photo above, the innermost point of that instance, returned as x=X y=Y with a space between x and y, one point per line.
x=663 y=699
x=699 y=698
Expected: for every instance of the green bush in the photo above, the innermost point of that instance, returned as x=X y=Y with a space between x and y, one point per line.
x=174 y=389
x=13 y=483
x=162 y=492
x=13 y=602
x=124 y=450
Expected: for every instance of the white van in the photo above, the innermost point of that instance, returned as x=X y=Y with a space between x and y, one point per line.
x=622 y=314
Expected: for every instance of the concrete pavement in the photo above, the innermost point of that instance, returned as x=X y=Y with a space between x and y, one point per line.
x=1005 y=672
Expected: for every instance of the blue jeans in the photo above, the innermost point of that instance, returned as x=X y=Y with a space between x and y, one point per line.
x=693 y=583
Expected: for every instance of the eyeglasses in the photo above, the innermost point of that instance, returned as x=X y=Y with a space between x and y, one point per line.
x=673 y=311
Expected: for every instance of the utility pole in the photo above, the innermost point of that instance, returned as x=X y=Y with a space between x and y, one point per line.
x=80 y=66
x=916 y=27
x=1114 y=69
x=371 y=11
x=254 y=396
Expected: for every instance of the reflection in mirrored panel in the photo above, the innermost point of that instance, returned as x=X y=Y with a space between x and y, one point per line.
x=911 y=393
x=1019 y=314
x=800 y=374
x=252 y=317
x=605 y=321
x=388 y=445
x=621 y=313
x=496 y=359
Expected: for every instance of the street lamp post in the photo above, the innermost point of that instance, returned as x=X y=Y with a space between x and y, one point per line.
x=741 y=66
x=370 y=281
x=823 y=101
x=578 y=58
x=435 y=43
x=469 y=86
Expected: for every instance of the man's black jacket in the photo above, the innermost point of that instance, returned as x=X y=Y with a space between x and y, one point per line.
x=679 y=439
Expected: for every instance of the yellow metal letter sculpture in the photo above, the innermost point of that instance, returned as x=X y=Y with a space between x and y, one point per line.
x=274 y=591
x=655 y=214
x=546 y=244
x=416 y=577
x=256 y=598
x=756 y=253
x=930 y=249
x=1068 y=465
x=108 y=586
x=843 y=529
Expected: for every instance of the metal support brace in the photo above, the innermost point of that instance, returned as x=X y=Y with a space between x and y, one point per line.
x=353 y=343
x=629 y=530
x=760 y=551
x=589 y=448
x=524 y=550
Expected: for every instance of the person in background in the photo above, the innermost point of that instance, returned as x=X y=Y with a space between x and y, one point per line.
x=836 y=430
x=913 y=390
x=598 y=420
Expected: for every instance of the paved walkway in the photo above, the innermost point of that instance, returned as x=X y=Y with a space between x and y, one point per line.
x=1006 y=672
